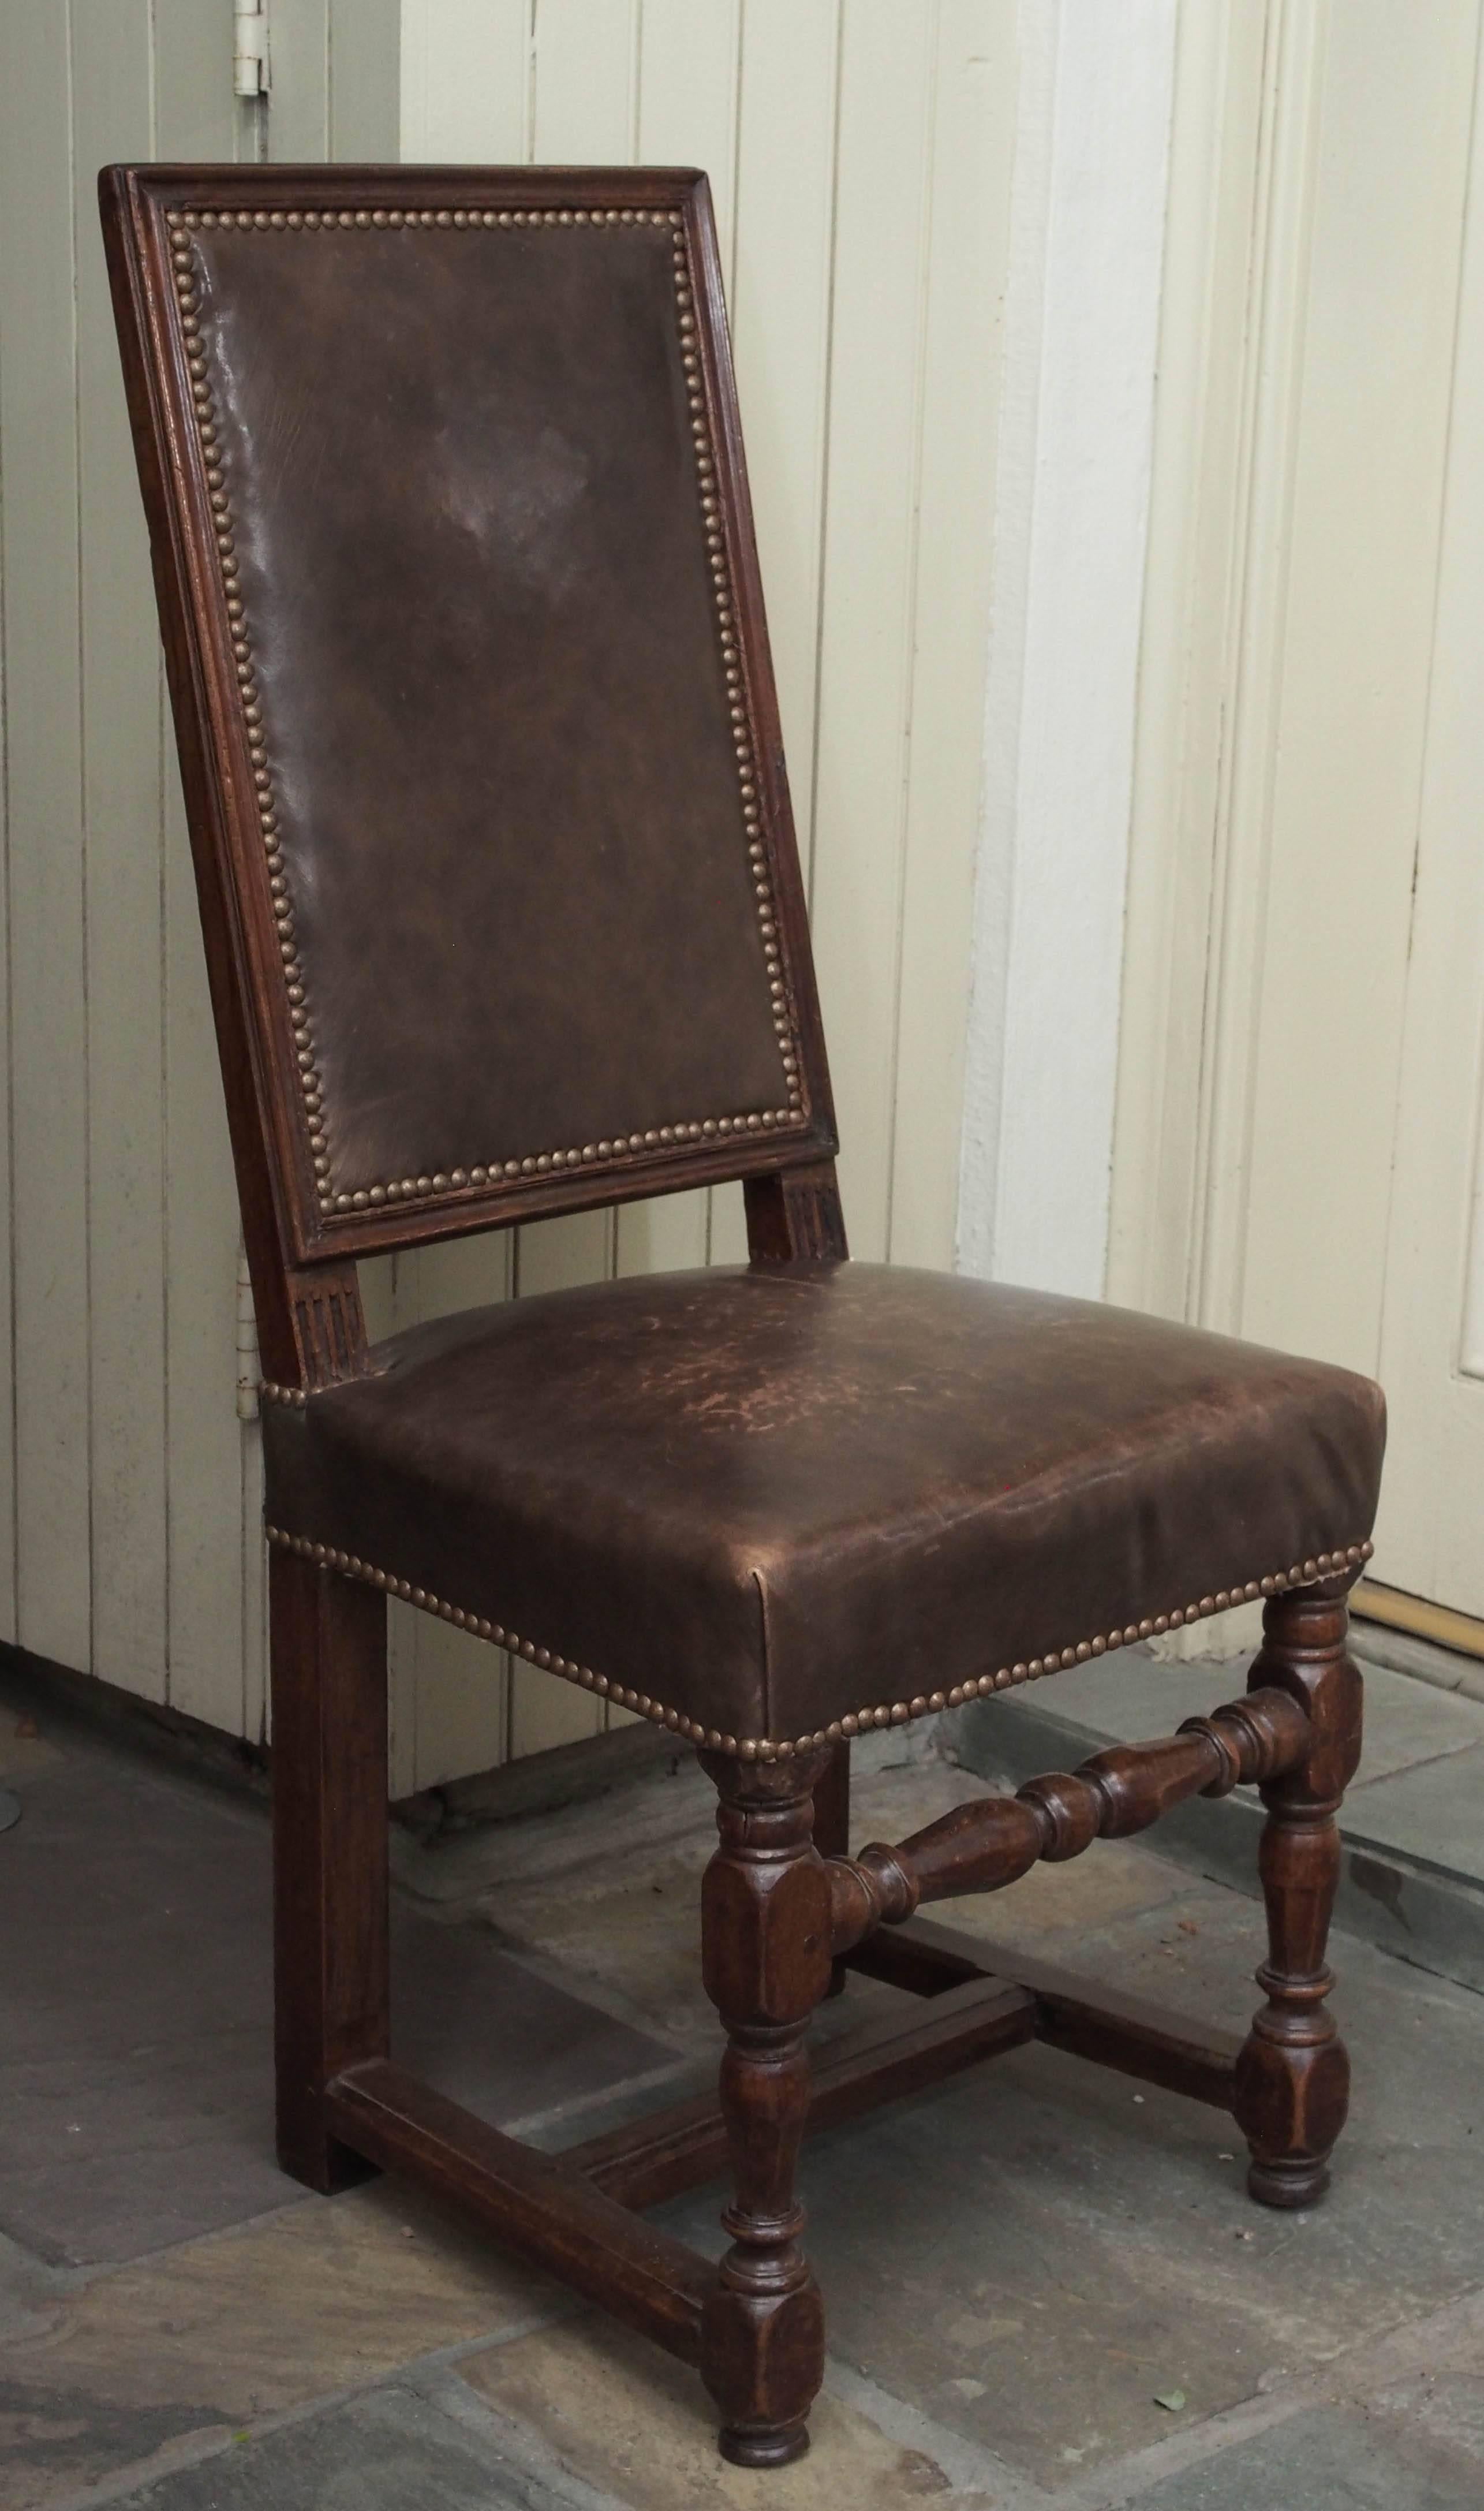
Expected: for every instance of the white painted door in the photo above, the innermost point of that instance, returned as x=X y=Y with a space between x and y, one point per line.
x=1301 y=1116
x=1431 y=1536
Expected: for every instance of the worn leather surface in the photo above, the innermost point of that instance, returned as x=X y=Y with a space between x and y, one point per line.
x=469 y=533
x=770 y=1498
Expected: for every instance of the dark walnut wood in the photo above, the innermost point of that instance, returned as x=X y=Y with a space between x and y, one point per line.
x=329 y=1340
x=832 y=1827
x=980 y=1847
x=832 y=1804
x=780 y=1898
x=329 y=1646
x=1082 y=2015
x=1292 y=2089
x=765 y=1955
x=794 y=1217
x=534 y=2203
x=977 y=2016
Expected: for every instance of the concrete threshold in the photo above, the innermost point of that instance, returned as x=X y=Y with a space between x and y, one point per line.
x=1412 y=1881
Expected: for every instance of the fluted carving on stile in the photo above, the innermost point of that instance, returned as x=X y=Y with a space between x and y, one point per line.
x=329 y=1327
x=794 y=1217
x=981 y=1846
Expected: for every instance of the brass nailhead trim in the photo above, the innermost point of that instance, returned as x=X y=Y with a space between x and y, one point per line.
x=271 y=1394
x=758 y=1748
x=427 y=1189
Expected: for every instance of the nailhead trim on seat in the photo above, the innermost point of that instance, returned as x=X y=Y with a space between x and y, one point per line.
x=899 y=1713
x=480 y=1176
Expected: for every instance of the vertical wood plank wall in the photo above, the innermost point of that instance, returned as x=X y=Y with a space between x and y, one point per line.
x=1307 y=377
x=130 y=1515
x=859 y=155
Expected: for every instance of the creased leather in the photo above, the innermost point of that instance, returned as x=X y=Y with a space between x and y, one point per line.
x=769 y=1498
x=468 y=537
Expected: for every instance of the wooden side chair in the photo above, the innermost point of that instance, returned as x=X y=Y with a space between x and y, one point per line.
x=503 y=917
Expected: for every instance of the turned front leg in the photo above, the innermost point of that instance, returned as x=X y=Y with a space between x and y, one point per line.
x=765 y=1921
x=1292 y=2089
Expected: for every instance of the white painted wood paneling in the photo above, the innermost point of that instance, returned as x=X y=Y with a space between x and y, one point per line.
x=49 y=1214
x=585 y=82
x=686 y=100
x=785 y=171
x=464 y=80
x=132 y=1536
x=1304 y=396
x=1217 y=307
x=1248 y=89
x=206 y=1455
x=363 y=51
x=1300 y=1051
x=785 y=203
x=121 y=822
x=869 y=586
x=298 y=39
x=1432 y=1326
x=1391 y=182
x=7 y=1197
x=972 y=147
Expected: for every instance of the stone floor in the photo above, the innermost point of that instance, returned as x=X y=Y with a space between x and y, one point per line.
x=1044 y=2287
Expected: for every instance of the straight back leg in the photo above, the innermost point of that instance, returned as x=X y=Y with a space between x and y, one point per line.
x=329 y=1643
x=832 y=1804
x=1292 y=2088
x=832 y=1827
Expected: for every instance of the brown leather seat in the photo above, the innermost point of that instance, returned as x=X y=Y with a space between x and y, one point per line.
x=762 y=1503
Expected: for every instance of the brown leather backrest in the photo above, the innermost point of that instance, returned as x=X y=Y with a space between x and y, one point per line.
x=481 y=742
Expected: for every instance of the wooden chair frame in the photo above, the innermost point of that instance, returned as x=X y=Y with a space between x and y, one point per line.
x=784 y=1907
x=787 y=1909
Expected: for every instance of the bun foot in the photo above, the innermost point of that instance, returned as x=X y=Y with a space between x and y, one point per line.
x=1292 y=2092
x=763 y=2448
x=1287 y=2184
